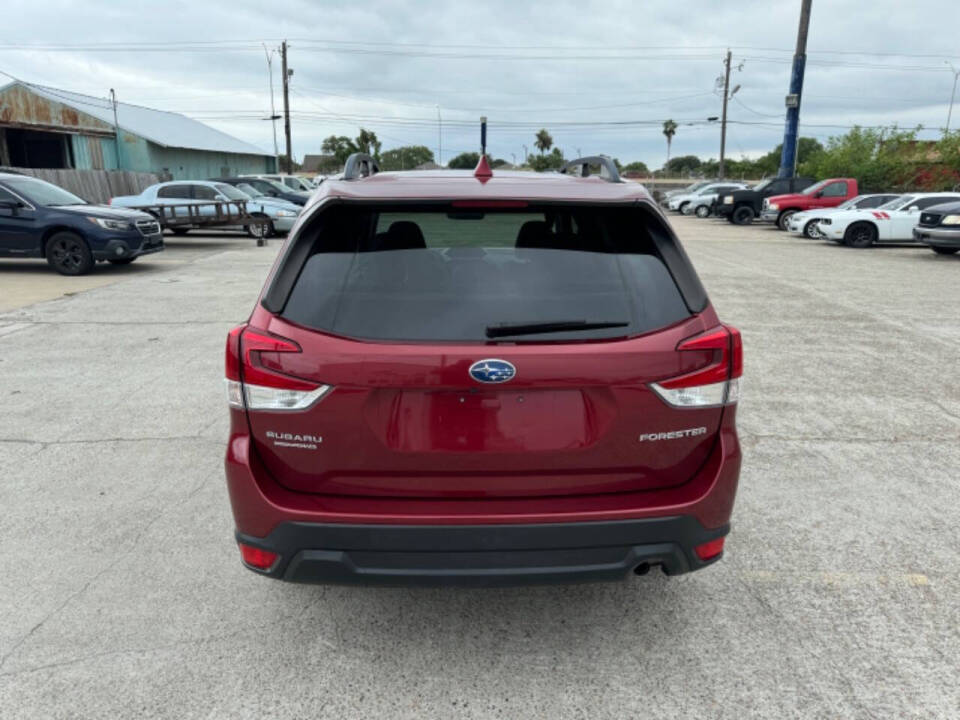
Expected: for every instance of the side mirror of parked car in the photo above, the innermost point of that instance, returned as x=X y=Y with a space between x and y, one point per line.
x=12 y=205
x=913 y=209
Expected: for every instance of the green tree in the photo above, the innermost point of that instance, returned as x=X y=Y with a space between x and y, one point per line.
x=551 y=161
x=368 y=143
x=884 y=159
x=340 y=146
x=669 y=130
x=543 y=141
x=294 y=166
x=636 y=167
x=684 y=163
x=464 y=161
x=407 y=157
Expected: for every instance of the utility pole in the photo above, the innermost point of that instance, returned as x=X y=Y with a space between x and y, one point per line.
x=439 y=138
x=788 y=157
x=956 y=74
x=116 y=127
x=286 y=105
x=723 y=122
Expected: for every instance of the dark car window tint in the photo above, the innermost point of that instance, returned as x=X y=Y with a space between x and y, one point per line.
x=924 y=203
x=447 y=276
x=7 y=196
x=837 y=189
x=204 y=192
x=180 y=192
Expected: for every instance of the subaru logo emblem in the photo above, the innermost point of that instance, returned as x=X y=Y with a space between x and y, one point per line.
x=492 y=370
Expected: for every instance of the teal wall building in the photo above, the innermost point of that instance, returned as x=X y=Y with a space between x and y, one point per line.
x=42 y=127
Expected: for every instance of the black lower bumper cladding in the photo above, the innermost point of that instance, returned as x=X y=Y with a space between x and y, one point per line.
x=483 y=555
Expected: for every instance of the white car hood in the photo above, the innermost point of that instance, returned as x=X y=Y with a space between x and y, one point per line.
x=810 y=214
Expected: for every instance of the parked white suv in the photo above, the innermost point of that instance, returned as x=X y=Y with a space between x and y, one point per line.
x=698 y=202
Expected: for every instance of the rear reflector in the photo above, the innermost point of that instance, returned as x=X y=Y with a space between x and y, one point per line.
x=257 y=558
x=717 y=383
x=252 y=386
x=710 y=549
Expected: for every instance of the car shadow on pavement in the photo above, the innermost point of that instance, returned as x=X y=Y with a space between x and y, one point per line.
x=642 y=613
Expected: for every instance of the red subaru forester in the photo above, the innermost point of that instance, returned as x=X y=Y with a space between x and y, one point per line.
x=481 y=378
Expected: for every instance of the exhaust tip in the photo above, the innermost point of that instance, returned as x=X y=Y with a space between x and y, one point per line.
x=641 y=569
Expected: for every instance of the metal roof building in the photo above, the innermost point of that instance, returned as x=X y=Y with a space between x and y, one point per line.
x=42 y=127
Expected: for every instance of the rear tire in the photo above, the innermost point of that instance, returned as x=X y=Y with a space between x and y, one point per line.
x=860 y=235
x=68 y=254
x=944 y=250
x=179 y=230
x=784 y=217
x=743 y=215
x=810 y=230
x=702 y=211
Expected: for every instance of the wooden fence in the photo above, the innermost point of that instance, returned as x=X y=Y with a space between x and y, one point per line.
x=96 y=186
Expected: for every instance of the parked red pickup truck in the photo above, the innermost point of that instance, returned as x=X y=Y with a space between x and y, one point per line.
x=824 y=194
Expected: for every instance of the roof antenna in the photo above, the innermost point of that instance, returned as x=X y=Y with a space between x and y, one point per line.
x=483 y=171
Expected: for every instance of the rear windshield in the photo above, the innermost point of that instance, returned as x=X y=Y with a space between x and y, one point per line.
x=448 y=274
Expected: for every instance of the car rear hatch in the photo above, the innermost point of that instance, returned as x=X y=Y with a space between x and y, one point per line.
x=517 y=351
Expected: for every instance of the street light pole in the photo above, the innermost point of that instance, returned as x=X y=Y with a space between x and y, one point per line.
x=953 y=94
x=273 y=111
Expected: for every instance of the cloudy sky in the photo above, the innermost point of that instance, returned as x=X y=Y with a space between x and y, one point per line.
x=601 y=76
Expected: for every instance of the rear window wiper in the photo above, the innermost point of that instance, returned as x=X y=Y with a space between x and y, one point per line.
x=534 y=328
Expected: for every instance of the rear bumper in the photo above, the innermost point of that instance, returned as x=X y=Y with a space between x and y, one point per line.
x=483 y=555
x=937 y=236
x=337 y=538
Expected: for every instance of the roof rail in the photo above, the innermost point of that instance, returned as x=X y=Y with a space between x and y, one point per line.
x=360 y=165
x=608 y=170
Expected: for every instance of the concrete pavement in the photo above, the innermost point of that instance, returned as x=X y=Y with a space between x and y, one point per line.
x=123 y=596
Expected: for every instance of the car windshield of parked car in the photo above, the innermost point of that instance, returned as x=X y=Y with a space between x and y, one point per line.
x=40 y=192
x=278 y=186
x=852 y=203
x=231 y=192
x=814 y=189
x=250 y=190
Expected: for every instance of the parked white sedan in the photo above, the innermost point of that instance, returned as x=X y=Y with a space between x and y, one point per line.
x=890 y=223
x=805 y=223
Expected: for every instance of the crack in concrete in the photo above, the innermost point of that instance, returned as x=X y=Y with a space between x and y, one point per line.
x=129 y=552
x=97 y=441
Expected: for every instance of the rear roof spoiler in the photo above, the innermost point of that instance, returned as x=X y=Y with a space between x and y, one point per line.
x=360 y=165
x=608 y=170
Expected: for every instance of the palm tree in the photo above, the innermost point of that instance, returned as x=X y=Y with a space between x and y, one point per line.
x=669 y=129
x=543 y=141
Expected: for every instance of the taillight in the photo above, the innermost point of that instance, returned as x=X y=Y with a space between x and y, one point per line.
x=252 y=386
x=718 y=383
x=257 y=558
x=710 y=549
